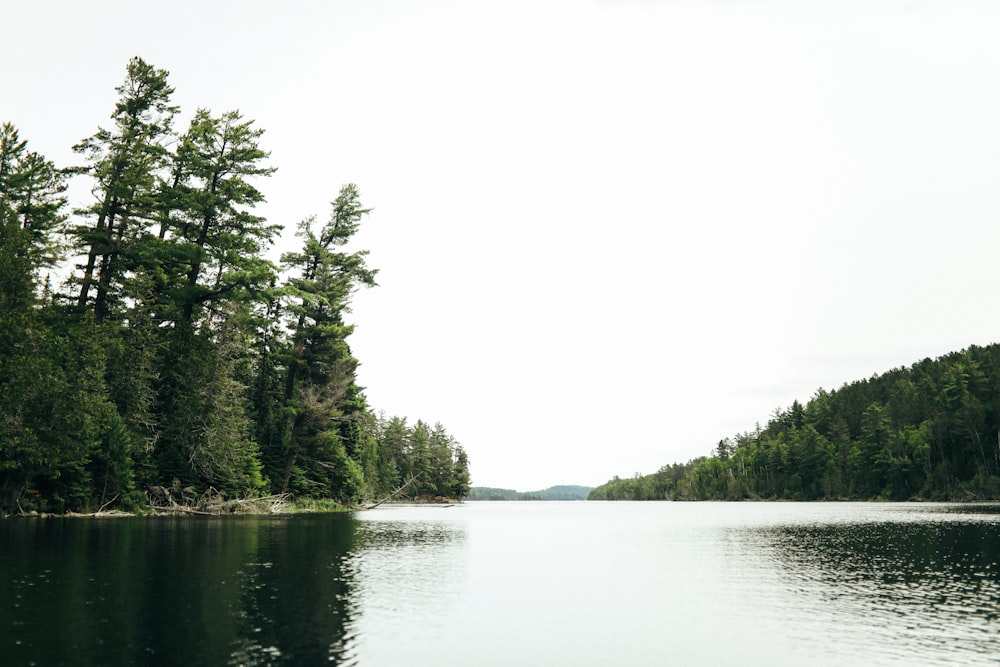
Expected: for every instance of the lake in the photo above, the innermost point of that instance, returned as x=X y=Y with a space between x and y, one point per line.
x=517 y=583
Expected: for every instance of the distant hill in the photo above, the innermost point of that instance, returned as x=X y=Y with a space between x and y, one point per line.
x=563 y=492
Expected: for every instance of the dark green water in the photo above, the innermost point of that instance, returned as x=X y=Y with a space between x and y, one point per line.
x=166 y=591
x=511 y=583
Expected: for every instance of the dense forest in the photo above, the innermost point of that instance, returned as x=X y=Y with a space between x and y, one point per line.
x=931 y=431
x=147 y=341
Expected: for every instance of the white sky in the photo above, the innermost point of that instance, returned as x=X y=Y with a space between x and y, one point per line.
x=608 y=233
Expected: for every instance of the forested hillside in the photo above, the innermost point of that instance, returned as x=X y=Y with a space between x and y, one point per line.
x=563 y=492
x=931 y=431
x=175 y=353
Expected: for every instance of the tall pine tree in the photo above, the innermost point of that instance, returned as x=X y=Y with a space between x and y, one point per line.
x=321 y=402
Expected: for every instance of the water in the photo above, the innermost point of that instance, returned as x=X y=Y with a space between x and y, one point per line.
x=510 y=584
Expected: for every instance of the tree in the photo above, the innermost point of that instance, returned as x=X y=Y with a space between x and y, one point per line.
x=181 y=359
x=52 y=399
x=320 y=374
x=32 y=190
x=210 y=268
x=460 y=479
x=124 y=163
x=20 y=352
x=441 y=455
x=394 y=464
x=217 y=240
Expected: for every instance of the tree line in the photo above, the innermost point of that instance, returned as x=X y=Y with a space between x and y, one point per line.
x=930 y=431
x=172 y=351
x=561 y=492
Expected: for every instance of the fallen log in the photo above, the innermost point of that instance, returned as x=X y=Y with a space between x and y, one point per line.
x=394 y=493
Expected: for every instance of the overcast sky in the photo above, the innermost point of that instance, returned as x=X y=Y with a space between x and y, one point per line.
x=609 y=234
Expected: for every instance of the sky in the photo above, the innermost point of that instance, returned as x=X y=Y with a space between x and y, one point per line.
x=608 y=233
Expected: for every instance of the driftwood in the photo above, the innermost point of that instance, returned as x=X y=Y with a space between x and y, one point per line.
x=394 y=493
x=212 y=502
x=182 y=509
x=101 y=510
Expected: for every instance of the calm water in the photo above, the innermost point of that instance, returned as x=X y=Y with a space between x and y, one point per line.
x=511 y=584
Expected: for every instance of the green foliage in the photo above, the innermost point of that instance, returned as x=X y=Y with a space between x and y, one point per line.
x=217 y=240
x=182 y=361
x=665 y=484
x=124 y=163
x=32 y=191
x=24 y=370
x=320 y=394
x=930 y=431
x=112 y=466
x=460 y=483
x=437 y=464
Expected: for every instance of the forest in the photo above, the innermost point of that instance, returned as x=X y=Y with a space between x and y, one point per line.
x=560 y=492
x=927 y=432
x=146 y=340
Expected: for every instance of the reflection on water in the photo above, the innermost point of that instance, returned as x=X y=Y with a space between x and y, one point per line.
x=511 y=583
x=167 y=591
x=409 y=568
x=926 y=580
x=216 y=591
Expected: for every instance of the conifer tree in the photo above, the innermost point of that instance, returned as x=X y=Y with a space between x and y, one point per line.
x=34 y=192
x=181 y=360
x=320 y=391
x=124 y=162
x=217 y=240
x=33 y=447
x=210 y=269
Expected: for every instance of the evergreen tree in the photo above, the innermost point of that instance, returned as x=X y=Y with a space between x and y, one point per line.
x=53 y=402
x=461 y=480
x=211 y=270
x=124 y=163
x=217 y=241
x=441 y=455
x=32 y=190
x=21 y=454
x=181 y=362
x=320 y=394
x=921 y=432
x=395 y=467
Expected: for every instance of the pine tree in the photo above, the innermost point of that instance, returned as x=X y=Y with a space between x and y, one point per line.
x=210 y=270
x=34 y=192
x=320 y=389
x=217 y=239
x=124 y=163
x=460 y=479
